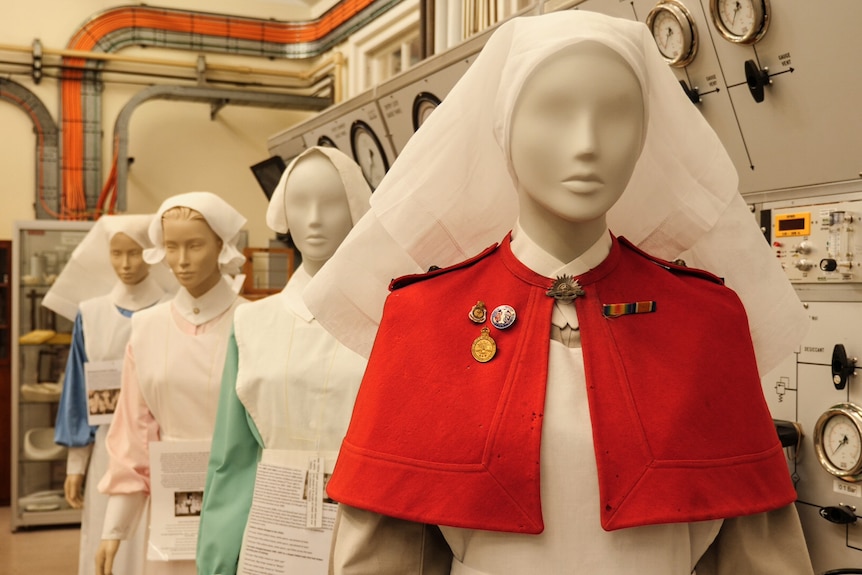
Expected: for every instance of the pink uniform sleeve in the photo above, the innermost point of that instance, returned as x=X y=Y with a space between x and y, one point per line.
x=128 y=440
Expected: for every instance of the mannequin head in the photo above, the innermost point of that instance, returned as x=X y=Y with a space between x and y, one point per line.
x=192 y=249
x=127 y=259
x=577 y=131
x=317 y=210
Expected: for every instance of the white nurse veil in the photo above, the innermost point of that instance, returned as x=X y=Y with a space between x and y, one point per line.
x=89 y=272
x=356 y=189
x=450 y=193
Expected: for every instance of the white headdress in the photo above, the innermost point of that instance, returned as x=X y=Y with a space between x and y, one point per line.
x=355 y=187
x=450 y=193
x=221 y=217
x=89 y=273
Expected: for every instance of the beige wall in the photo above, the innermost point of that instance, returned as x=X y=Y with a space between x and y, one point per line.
x=176 y=146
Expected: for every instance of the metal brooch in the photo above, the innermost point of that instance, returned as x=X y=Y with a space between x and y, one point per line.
x=565 y=289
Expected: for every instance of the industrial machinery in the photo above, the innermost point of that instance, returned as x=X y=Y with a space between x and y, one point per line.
x=779 y=84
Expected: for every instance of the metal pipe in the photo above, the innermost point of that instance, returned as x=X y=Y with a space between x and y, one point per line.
x=213 y=96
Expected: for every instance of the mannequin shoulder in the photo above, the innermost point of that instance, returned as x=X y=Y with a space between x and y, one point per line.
x=154 y=313
x=89 y=305
x=436 y=272
x=676 y=267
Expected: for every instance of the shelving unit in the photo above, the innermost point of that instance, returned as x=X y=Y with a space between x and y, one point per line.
x=39 y=348
x=5 y=369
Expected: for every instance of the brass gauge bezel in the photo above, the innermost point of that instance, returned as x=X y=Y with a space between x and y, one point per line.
x=854 y=414
x=680 y=13
x=762 y=18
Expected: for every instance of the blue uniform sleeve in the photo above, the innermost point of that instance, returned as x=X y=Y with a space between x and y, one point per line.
x=236 y=448
x=71 y=428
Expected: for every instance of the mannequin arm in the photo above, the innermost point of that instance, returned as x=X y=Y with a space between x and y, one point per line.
x=230 y=478
x=71 y=427
x=766 y=543
x=73 y=490
x=105 y=556
x=365 y=542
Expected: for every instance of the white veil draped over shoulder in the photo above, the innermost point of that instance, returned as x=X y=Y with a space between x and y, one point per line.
x=89 y=273
x=451 y=193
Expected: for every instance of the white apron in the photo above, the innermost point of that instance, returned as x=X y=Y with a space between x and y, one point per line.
x=106 y=333
x=176 y=371
x=296 y=381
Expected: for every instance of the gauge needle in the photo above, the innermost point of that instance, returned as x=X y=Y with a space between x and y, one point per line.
x=669 y=34
x=735 y=10
x=841 y=444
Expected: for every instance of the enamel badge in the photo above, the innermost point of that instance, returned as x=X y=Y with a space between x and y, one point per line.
x=503 y=316
x=484 y=347
x=478 y=313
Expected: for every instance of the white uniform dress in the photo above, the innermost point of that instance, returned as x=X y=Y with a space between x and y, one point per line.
x=105 y=327
x=288 y=393
x=171 y=381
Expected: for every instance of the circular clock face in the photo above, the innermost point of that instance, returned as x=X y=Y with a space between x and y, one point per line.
x=423 y=104
x=674 y=32
x=326 y=141
x=368 y=153
x=740 y=21
x=838 y=441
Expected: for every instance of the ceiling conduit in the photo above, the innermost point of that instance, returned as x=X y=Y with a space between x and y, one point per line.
x=125 y=26
x=47 y=146
x=213 y=96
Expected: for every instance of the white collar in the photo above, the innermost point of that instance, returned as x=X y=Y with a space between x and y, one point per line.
x=136 y=297
x=529 y=253
x=291 y=295
x=200 y=310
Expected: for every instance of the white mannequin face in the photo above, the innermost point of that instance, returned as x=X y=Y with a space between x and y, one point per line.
x=576 y=134
x=191 y=250
x=318 y=215
x=127 y=259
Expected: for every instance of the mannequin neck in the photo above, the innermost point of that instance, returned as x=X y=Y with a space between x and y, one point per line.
x=561 y=238
x=312 y=266
x=206 y=285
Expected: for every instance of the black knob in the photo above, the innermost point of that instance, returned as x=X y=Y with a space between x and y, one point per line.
x=756 y=80
x=842 y=366
x=789 y=432
x=842 y=515
x=692 y=93
x=828 y=265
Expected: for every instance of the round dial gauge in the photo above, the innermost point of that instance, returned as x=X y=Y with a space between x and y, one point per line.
x=423 y=105
x=838 y=441
x=674 y=32
x=326 y=141
x=740 y=21
x=368 y=153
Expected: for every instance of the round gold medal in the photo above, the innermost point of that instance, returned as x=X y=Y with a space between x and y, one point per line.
x=484 y=347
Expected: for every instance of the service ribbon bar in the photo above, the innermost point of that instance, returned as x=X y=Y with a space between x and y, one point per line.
x=618 y=309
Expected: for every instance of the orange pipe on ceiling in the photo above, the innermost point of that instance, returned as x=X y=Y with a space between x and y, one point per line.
x=73 y=196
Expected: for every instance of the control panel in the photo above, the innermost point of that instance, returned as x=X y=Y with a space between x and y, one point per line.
x=819 y=243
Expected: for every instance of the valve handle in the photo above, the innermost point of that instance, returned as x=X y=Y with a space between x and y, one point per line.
x=842 y=366
x=842 y=514
x=756 y=80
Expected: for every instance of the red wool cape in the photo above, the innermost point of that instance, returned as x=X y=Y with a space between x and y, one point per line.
x=681 y=430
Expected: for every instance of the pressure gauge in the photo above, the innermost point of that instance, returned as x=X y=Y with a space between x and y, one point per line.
x=326 y=141
x=674 y=32
x=740 y=21
x=838 y=441
x=423 y=104
x=368 y=153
